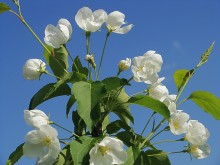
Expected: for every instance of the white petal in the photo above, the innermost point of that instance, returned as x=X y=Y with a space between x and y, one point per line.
x=34 y=136
x=32 y=150
x=124 y=29
x=200 y=152
x=48 y=131
x=83 y=15
x=115 y=20
x=64 y=22
x=100 y=16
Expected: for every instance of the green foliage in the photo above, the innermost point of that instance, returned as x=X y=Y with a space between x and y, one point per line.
x=79 y=124
x=80 y=148
x=4 y=7
x=152 y=104
x=88 y=96
x=77 y=66
x=16 y=155
x=64 y=157
x=42 y=94
x=116 y=126
x=57 y=60
x=157 y=157
x=113 y=83
x=69 y=104
x=205 y=56
x=180 y=78
x=208 y=102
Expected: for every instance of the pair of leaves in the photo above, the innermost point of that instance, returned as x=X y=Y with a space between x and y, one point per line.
x=150 y=157
x=4 y=7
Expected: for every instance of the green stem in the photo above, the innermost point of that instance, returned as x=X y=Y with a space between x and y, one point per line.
x=88 y=34
x=164 y=141
x=46 y=72
x=181 y=102
x=166 y=153
x=157 y=134
x=138 y=93
x=64 y=128
x=103 y=52
x=146 y=126
x=69 y=53
x=151 y=133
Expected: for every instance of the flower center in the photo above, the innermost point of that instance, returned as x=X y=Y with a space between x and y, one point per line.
x=103 y=149
x=176 y=125
x=193 y=149
x=46 y=141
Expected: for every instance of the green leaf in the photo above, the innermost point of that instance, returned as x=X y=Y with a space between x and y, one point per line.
x=16 y=155
x=79 y=124
x=4 y=7
x=69 y=77
x=208 y=102
x=40 y=96
x=80 y=149
x=127 y=137
x=206 y=54
x=157 y=157
x=180 y=78
x=64 y=157
x=116 y=126
x=152 y=104
x=57 y=60
x=136 y=157
x=87 y=96
x=113 y=83
x=77 y=67
x=70 y=103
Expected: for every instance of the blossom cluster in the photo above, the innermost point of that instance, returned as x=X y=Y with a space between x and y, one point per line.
x=145 y=69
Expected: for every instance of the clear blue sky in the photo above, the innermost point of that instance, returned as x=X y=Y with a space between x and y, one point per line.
x=179 y=30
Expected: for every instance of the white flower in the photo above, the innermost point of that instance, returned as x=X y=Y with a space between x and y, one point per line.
x=146 y=67
x=124 y=64
x=90 y=21
x=197 y=133
x=89 y=57
x=178 y=122
x=200 y=152
x=35 y=118
x=172 y=107
x=114 y=22
x=43 y=144
x=108 y=151
x=33 y=68
x=57 y=36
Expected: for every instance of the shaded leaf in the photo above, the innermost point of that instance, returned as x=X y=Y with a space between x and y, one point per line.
x=127 y=138
x=40 y=96
x=116 y=126
x=180 y=78
x=87 y=96
x=152 y=104
x=77 y=67
x=16 y=155
x=64 y=157
x=79 y=124
x=157 y=157
x=113 y=83
x=4 y=7
x=208 y=102
x=57 y=60
x=69 y=104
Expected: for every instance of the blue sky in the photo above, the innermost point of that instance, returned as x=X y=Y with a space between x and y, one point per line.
x=179 y=30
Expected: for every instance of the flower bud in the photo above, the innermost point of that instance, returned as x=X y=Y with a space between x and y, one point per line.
x=124 y=64
x=90 y=59
x=33 y=68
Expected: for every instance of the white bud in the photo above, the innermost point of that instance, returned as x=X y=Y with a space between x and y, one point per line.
x=124 y=64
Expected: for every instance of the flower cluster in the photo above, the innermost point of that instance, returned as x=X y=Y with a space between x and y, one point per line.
x=42 y=142
x=96 y=140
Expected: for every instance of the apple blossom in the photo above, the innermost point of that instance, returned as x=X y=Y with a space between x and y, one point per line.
x=33 y=68
x=200 y=152
x=114 y=22
x=178 y=122
x=43 y=144
x=57 y=36
x=124 y=64
x=197 y=134
x=35 y=118
x=146 y=67
x=90 y=21
x=108 y=151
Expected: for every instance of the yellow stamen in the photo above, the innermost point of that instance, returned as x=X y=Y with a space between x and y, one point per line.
x=103 y=149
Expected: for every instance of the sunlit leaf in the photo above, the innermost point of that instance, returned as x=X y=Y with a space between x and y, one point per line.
x=206 y=54
x=208 y=102
x=180 y=78
x=152 y=104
